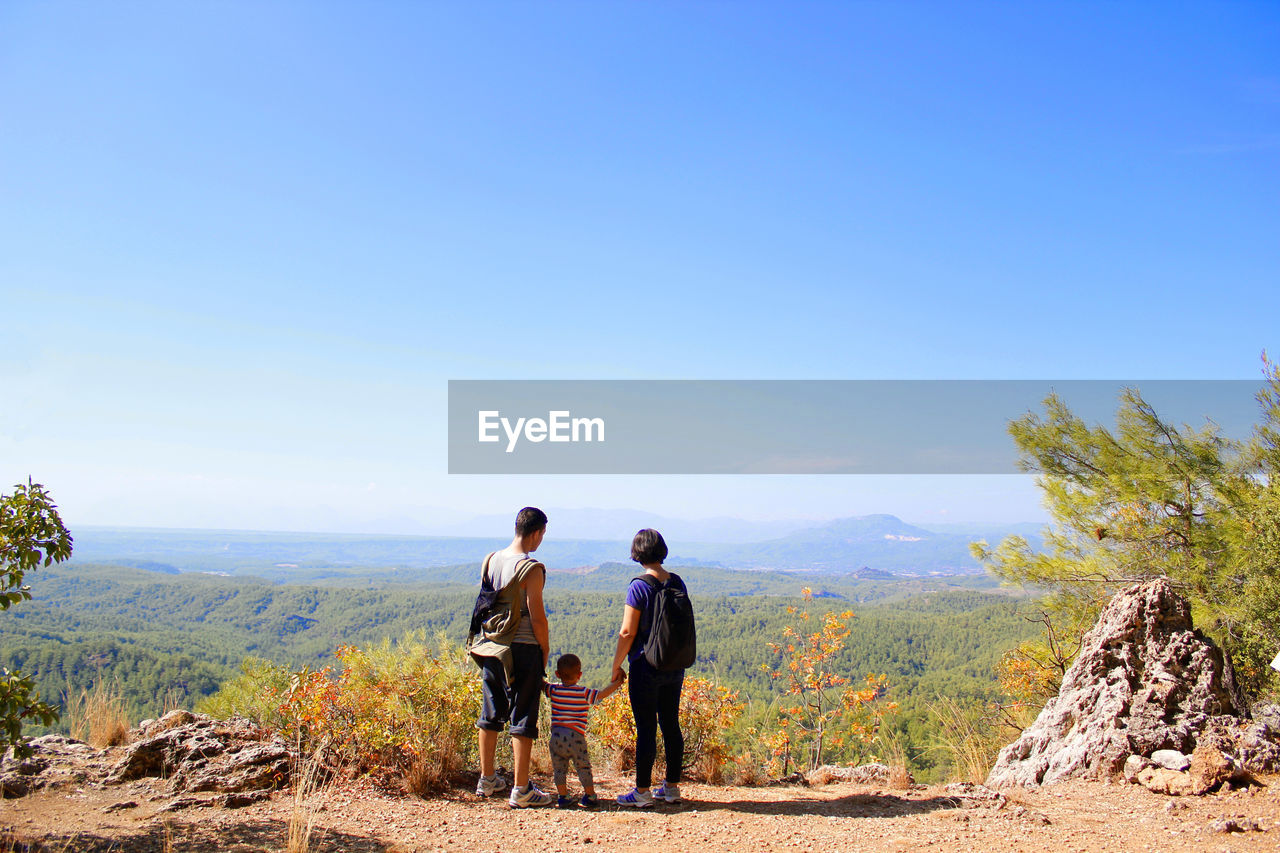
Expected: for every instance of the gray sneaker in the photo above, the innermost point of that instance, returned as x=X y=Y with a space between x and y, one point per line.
x=490 y=785
x=667 y=791
x=530 y=798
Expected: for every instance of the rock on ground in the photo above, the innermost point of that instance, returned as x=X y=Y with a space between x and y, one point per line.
x=1144 y=680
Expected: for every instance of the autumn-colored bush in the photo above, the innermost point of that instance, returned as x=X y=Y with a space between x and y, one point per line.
x=403 y=711
x=822 y=711
x=707 y=711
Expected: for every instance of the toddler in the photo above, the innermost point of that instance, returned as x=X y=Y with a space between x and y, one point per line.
x=569 y=705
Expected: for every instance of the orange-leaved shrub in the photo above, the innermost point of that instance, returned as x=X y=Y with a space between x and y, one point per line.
x=403 y=711
x=707 y=712
x=822 y=712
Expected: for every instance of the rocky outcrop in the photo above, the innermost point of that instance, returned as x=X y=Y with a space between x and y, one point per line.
x=233 y=759
x=198 y=753
x=1144 y=681
x=54 y=760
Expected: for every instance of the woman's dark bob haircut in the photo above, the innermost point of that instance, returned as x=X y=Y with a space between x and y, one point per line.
x=648 y=547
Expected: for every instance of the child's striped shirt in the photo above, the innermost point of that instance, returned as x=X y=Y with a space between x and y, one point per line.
x=569 y=705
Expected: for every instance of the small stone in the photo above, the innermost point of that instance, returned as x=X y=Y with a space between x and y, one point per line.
x=1133 y=765
x=118 y=807
x=1210 y=767
x=1163 y=781
x=1171 y=759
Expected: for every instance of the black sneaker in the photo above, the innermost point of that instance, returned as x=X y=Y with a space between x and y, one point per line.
x=588 y=801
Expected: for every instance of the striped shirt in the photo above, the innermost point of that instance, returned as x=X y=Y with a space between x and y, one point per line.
x=569 y=704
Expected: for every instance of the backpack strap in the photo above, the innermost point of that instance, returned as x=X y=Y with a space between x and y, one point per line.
x=646 y=615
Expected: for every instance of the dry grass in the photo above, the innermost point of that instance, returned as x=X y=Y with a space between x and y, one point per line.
x=747 y=771
x=172 y=701
x=968 y=739
x=97 y=716
x=308 y=793
x=895 y=758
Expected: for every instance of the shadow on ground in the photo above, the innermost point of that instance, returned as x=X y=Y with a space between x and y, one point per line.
x=249 y=836
x=854 y=805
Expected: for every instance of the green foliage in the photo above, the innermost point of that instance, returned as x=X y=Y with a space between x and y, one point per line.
x=156 y=633
x=255 y=693
x=31 y=535
x=1154 y=499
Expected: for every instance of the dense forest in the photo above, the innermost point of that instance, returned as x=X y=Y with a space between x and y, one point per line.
x=164 y=638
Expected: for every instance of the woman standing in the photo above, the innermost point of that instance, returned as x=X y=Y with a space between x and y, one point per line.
x=655 y=694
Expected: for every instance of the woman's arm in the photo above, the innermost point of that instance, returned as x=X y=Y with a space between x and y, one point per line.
x=626 y=636
x=538 y=612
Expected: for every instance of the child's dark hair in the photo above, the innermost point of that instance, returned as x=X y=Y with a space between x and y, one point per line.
x=648 y=547
x=568 y=663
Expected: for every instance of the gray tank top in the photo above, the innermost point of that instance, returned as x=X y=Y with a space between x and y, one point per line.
x=502 y=568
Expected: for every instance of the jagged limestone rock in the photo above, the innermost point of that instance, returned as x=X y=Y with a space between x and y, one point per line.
x=198 y=753
x=1144 y=680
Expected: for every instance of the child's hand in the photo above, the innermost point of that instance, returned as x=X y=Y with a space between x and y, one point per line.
x=619 y=677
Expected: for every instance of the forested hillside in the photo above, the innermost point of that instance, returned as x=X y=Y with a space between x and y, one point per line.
x=161 y=636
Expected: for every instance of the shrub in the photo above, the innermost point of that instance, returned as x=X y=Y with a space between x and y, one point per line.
x=707 y=712
x=409 y=709
x=822 y=710
x=256 y=693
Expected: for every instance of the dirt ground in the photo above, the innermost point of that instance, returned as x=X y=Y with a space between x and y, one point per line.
x=355 y=817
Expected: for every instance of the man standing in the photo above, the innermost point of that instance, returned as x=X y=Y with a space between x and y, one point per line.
x=511 y=650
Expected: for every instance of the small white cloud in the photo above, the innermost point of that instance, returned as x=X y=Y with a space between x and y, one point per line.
x=371 y=487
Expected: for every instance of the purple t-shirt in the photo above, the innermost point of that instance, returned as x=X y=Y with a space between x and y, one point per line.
x=640 y=596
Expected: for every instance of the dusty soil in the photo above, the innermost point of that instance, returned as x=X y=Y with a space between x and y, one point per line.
x=1073 y=816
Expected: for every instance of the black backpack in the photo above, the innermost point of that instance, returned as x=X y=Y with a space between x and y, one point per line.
x=673 y=641
x=485 y=601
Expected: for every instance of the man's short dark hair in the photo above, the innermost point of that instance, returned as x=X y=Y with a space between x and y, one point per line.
x=567 y=664
x=648 y=547
x=530 y=520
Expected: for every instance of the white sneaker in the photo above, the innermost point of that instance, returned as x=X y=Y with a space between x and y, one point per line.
x=667 y=791
x=636 y=799
x=531 y=797
x=490 y=785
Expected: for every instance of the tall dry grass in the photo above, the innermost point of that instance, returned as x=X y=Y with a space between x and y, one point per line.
x=895 y=758
x=968 y=737
x=310 y=783
x=97 y=716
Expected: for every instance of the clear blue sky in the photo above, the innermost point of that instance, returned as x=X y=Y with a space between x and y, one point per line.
x=243 y=246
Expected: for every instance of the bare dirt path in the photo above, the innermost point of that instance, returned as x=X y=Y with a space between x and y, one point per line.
x=1074 y=816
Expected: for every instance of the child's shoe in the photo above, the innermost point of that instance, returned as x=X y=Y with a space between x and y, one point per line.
x=588 y=801
x=667 y=791
x=529 y=798
x=636 y=799
x=563 y=802
x=490 y=785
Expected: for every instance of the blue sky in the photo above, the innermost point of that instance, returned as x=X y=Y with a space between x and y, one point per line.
x=245 y=245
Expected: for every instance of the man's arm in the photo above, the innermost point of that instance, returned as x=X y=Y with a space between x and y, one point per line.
x=538 y=612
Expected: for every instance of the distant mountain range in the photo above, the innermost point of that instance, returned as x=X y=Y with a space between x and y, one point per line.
x=863 y=545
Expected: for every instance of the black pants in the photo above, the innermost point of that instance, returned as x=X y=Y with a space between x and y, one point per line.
x=655 y=702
